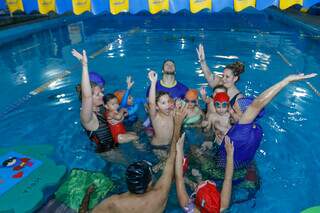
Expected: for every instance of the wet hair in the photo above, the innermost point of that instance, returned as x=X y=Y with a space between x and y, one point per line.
x=165 y=61
x=138 y=176
x=160 y=94
x=219 y=87
x=78 y=89
x=108 y=97
x=237 y=68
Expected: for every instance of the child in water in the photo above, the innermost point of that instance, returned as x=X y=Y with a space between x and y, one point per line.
x=128 y=102
x=209 y=100
x=219 y=120
x=161 y=115
x=115 y=120
x=194 y=113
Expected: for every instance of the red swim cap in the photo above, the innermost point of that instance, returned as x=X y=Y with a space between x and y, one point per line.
x=208 y=198
x=221 y=97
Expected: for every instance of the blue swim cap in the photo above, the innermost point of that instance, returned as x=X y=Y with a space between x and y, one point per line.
x=96 y=78
x=138 y=176
x=245 y=102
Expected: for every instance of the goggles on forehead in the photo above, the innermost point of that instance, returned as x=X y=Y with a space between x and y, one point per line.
x=221 y=104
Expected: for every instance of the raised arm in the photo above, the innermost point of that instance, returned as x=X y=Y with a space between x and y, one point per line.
x=88 y=120
x=165 y=180
x=124 y=100
x=182 y=194
x=264 y=98
x=227 y=182
x=204 y=96
x=153 y=76
x=213 y=80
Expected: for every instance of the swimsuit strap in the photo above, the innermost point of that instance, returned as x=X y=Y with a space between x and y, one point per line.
x=233 y=100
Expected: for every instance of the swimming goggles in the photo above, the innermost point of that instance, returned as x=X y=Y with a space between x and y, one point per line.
x=221 y=104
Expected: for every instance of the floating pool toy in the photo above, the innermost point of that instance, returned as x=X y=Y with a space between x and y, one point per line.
x=26 y=172
x=73 y=190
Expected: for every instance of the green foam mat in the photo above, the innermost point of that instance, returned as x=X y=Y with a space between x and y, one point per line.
x=27 y=195
x=73 y=190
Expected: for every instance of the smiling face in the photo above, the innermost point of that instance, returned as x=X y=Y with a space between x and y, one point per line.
x=97 y=96
x=229 y=78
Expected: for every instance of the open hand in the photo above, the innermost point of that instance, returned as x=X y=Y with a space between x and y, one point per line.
x=129 y=82
x=179 y=115
x=200 y=52
x=299 y=77
x=83 y=58
x=203 y=91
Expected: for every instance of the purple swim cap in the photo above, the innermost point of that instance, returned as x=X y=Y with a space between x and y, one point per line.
x=244 y=103
x=96 y=78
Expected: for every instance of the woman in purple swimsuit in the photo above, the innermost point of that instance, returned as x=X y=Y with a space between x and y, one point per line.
x=246 y=134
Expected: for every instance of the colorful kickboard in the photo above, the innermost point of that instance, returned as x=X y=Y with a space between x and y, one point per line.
x=14 y=167
x=27 y=195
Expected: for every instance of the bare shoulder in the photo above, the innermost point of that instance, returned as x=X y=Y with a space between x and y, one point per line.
x=107 y=205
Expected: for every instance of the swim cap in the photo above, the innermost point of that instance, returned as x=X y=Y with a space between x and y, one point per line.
x=208 y=198
x=192 y=94
x=221 y=97
x=119 y=94
x=96 y=78
x=244 y=103
x=138 y=175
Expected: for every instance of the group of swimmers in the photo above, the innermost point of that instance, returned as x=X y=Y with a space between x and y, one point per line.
x=171 y=106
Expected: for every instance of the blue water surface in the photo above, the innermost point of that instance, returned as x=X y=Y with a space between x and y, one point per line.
x=288 y=156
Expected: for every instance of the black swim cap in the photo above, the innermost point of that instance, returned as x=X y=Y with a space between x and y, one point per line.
x=139 y=175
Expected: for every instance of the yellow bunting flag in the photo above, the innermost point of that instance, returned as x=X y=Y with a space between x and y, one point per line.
x=197 y=5
x=242 y=4
x=14 y=5
x=158 y=5
x=118 y=6
x=284 y=4
x=81 y=6
x=45 y=6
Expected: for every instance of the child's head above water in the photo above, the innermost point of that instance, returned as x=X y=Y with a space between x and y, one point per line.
x=191 y=98
x=217 y=89
x=111 y=102
x=163 y=102
x=221 y=102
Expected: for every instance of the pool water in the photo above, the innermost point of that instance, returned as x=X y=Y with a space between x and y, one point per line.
x=288 y=156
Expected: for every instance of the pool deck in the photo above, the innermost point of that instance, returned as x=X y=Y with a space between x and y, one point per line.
x=302 y=21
